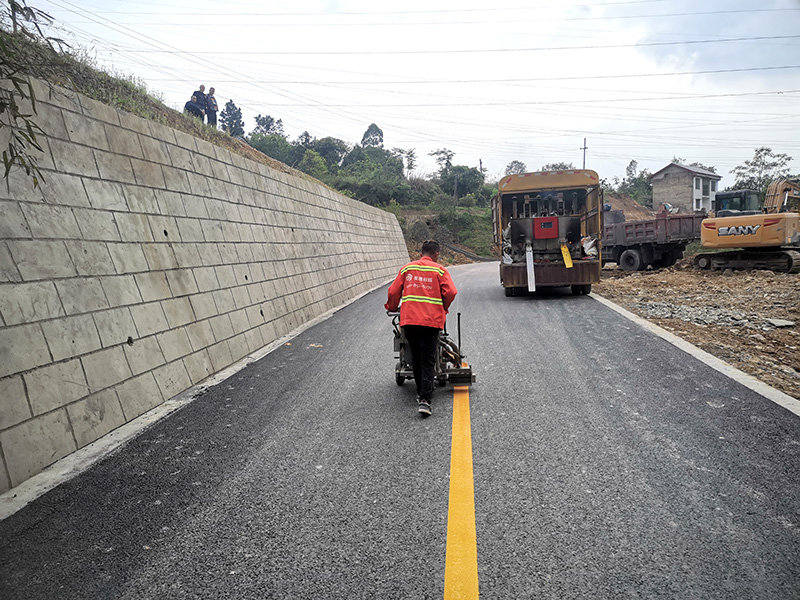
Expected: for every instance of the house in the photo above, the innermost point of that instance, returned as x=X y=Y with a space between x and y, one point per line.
x=688 y=188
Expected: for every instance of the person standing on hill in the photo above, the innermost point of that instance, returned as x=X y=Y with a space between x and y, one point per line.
x=202 y=100
x=423 y=290
x=211 y=108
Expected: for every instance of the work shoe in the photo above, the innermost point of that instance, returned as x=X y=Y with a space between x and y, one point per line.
x=424 y=408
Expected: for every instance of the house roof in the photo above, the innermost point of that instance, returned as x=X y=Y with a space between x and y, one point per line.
x=695 y=170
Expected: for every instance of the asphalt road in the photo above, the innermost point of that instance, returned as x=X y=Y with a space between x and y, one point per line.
x=607 y=464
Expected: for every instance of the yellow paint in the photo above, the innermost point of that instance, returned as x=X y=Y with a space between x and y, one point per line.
x=567 y=257
x=461 y=563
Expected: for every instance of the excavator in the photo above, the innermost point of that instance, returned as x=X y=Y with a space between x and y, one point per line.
x=748 y=239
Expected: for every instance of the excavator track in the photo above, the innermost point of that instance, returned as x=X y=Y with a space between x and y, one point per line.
x=780 y=261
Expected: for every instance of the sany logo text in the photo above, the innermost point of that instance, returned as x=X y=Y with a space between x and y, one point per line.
x=740 y=230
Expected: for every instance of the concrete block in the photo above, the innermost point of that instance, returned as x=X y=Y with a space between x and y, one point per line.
x=106 y=368
x=65 y=190
x=195 y=206
x=123 y=141
x=134 y=123
x=115 y=326
x=191 y=230
x=171 y=204
x=231 y=232
x=239 y=321
x=172 y=379
x=216 y=209
x=19 y=186
x=203 y=306
x=174 y=344
x=98 y=110
x=51 y=120
x=219 y=170
x=268 y=333
x=238 y=346
x=114 y=167
x=200 y=335
x=165 y=229
x=187 y=255
x=181 y=282
x=180 y=158
x=254 y=340
x=209 y=254
x=97 y=224
x=47 y=221
x=226 y=276
x=81 y=295
x=138 y=395
x=134 y=227
x=154 y=150
x=148 y=173
x=35 y=444
x=222 y=327
x=72 y=159
x=91 y=258
x=41 y=259
x=202 y=164
x=212 y=231
x=53 y=386
x=141 y=199
x=12 y=221
x=160 y=256
x=106 y=195
x=178 y=311
x=198 y=184
x=127 y=258
x=176 y=180
x=95 y=416
x=224 y=301
x=220 y=355
x=121 y=290
x=241 y=296
x=198 y=366
x=153 y=286
x=149 y=318
x=144 y=355
x=14 y=406
x=71 y=336
x=228 y=253
x=28 y=302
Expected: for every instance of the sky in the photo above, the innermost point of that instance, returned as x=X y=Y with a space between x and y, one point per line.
x=707 y=81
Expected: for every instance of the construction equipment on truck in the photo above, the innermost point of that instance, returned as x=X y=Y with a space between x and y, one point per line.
x=549 y=224
x=656 y=243
x=769 y=239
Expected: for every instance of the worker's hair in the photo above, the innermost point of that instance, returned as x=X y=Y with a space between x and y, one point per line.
x=429 y=247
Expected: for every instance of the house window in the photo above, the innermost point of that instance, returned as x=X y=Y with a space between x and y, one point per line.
x=705 y=187
x=713 y=186
x=697 y=183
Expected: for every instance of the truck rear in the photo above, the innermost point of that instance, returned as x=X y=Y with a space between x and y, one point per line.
x=549 y=224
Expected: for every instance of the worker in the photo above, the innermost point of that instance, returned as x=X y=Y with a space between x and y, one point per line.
x=423 y=290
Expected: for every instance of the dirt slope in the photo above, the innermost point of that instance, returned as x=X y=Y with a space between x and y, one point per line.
x=749 y=319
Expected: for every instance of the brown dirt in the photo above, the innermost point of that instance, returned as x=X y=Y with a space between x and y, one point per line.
x=725 y=314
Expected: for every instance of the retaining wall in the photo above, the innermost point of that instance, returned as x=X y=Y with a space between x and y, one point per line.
x=147 y=261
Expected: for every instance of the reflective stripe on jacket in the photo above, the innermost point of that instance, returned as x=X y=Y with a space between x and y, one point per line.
x=423 y=290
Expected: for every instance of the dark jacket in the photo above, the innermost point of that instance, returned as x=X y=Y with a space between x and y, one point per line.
x=211 y=104
x=202 y=100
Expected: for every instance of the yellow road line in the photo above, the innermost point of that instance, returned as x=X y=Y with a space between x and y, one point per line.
x=461 y=562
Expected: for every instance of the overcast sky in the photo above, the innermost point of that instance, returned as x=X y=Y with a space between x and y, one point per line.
x=708 y=81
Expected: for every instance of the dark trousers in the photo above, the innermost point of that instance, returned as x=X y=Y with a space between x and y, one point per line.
x=211 y=115
x=423 y=341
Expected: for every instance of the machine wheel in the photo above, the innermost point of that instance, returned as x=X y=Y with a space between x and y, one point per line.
x=398 y=379
x=702 y=261
x=631 y=260
x=442 y=381
x=576 y=290
x=586 y=289
x=509 y=291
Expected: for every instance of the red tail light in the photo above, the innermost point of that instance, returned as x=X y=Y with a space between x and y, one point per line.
x=709 y=224
x=772 y=221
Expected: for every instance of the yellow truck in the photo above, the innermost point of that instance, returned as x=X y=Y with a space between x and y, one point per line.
x=549 y=224
x=768 y=239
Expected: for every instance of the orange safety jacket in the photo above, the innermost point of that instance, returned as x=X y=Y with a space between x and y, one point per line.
x=423 y=290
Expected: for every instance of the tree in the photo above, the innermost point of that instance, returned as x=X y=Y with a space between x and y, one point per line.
x=443 y=158
x=21 y=48
x=411 y=160
x=636 y=184
x=266 y=125
x=274 y=145
x=516 y=167
x=313 y=164
x=373 y=137
x=331 y=149
x=761 y=170
x=460 y=180
x=558 y=166
x=230 y=119
x=682 y=161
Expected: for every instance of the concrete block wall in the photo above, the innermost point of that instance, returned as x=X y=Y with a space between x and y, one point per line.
x=149 y=260
x=674 y=187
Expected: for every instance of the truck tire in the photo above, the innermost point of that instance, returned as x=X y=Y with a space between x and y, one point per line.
x=668 y=259
x=508 y=291
x=631 y=260
x=576 y=290
x=586 y=289
x=702 y=261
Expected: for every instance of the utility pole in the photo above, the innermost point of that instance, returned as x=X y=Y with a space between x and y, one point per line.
x=585 y=147
x=584 y=152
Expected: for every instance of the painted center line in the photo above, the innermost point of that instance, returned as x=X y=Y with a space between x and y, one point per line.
x=461 y=562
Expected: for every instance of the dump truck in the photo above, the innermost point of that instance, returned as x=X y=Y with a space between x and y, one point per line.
x=549 y=225
x=768 y=239
x=656 y=243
